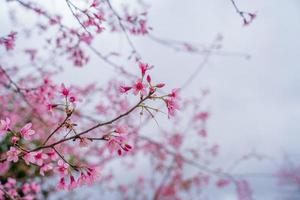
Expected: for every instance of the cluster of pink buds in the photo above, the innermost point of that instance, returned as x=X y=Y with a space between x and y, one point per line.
x=117 y=140
x=88 y=175
x=144 y=86
x=8 y=41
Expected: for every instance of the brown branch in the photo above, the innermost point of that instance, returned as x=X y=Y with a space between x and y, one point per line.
x=76 y=17
x=134 y=51
x=55 y=130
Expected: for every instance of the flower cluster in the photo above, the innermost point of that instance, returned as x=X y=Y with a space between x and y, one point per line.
x=8 y=41
x=144 y=86
x=12 y=188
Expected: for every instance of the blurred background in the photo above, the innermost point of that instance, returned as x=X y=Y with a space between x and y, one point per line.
x=254 y=84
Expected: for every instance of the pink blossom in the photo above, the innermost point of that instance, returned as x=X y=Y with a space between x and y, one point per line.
x=95 y=3
x=175 y=94
x=64 y=91
x=26 y=188
x=112 y=145
x=35 y=187
x=82 y=179
x=39 y=157
x=92 y=175
x=73 y=183
x=87 y=38
x=4 y=125
x=172 y=106
x=26 y=131
x=11 y=183
x=9 y=41
x=222 y=183
x=45 y=168
x=148 y=79
x=29 y=158
x=84 y=142
x=12 y=154
x=62 y=167
x=144 y=68
x=160 y=85
x=124 y=89
x=52 y=155
x=61 y=184
x=243 y=189
x=15 y=139
x=121 y=129
x=139 y=87
x=176 y=140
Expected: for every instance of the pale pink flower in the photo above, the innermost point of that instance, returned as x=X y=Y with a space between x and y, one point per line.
x=13 y=154
x=4 y=125
x=172 y=106
x=26 y=188
x=26 y=131
x=35 y=187
x=52 y=155
x=112 y=145
x=92 y=175
x=121 y=129
x=39 y=157
x=84 y=142
x=45 y=168
x=82 y=179
x=28 y=197
x=62 y=167
x=175 y=94
x=29 y=158
x=11 y=183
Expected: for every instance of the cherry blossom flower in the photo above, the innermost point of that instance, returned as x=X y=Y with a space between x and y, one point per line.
x=121 y=129
x=4 y=125
x=92 y=175
x=61 y=184
x=124 y=89
x=45 y=168
x=39 y=157
x=26 y=131
x=112 y=145
x=174 y=94
x=84 y=142
x=73 y=183
x=15 y=139
x=62 y=167
x=12 y=154
x=29 y=158
x=9 y=41
x=64 y=91
x=139 y=87
x=52 y=155
x=144 y=68
x=35 y=187
x=172 y=106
